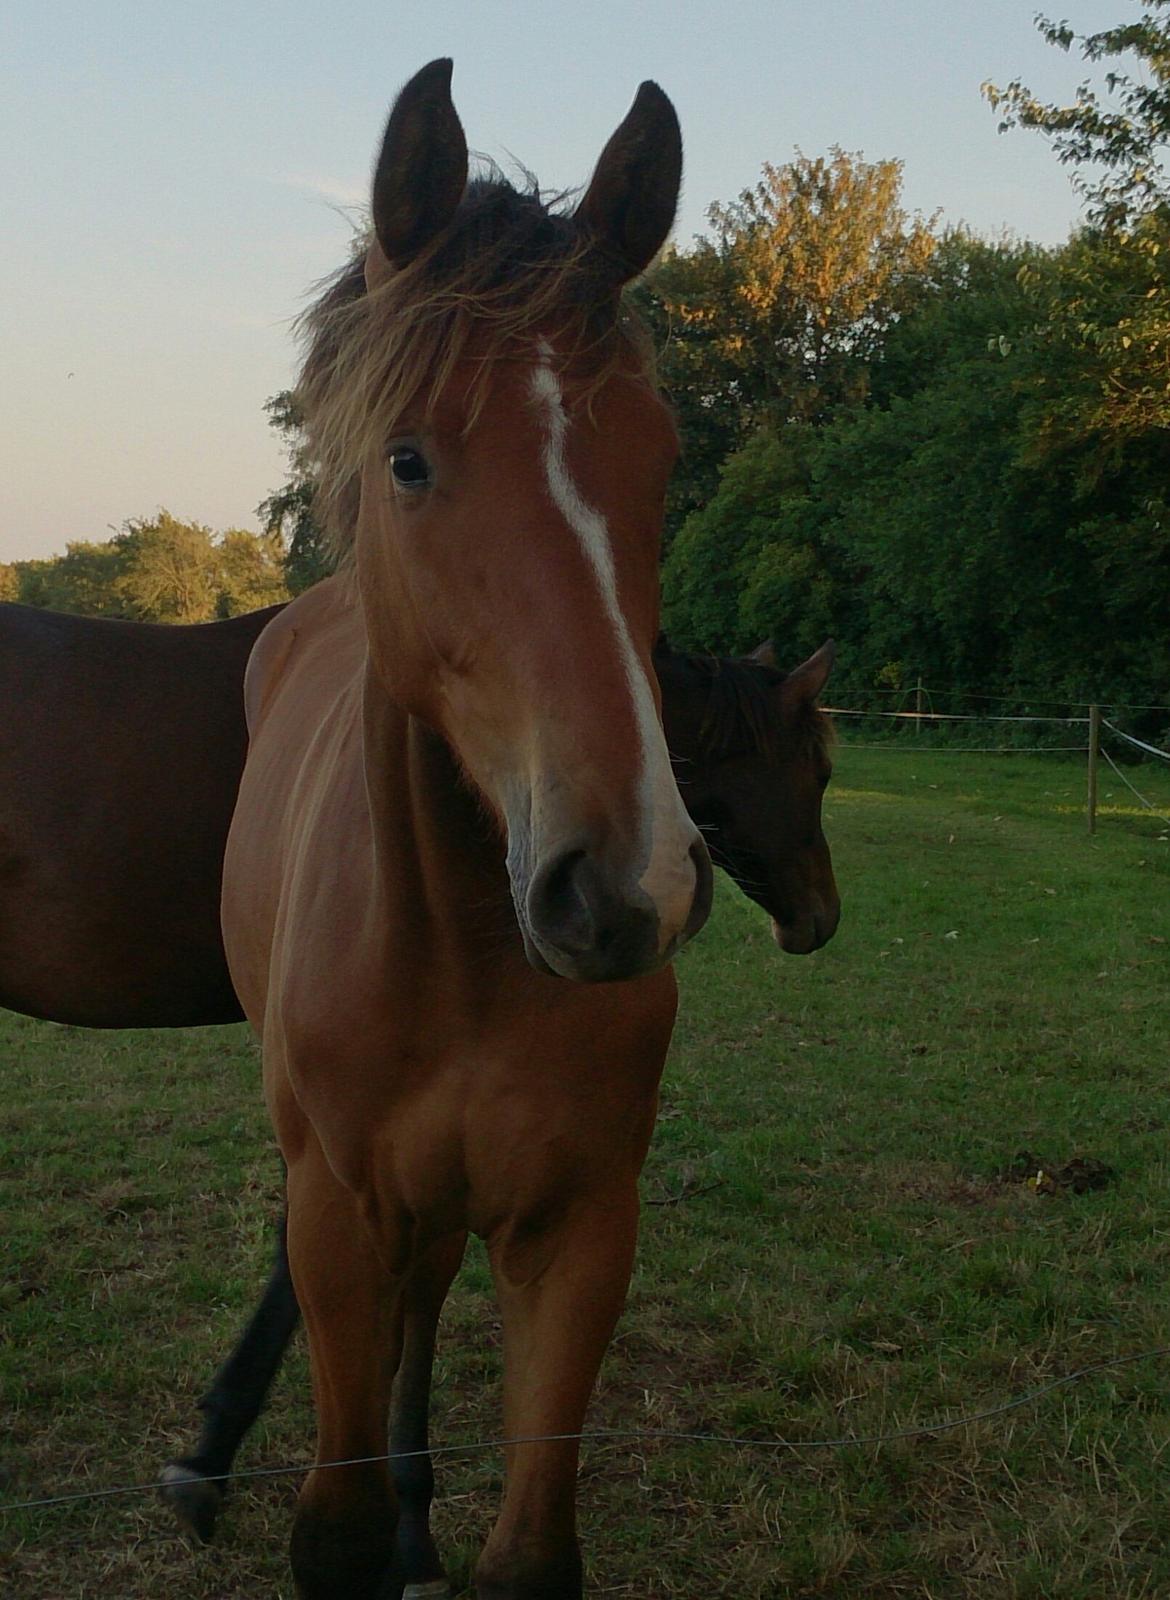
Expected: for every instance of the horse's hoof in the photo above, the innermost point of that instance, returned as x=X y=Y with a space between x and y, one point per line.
x=194 y=1499
x=433 y=1589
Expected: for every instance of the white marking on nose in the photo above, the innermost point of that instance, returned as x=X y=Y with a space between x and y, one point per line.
x=669 y=876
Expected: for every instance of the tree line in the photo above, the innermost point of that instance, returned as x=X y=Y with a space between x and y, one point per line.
x=950 y=453
x=966 y=475
x=156 y=569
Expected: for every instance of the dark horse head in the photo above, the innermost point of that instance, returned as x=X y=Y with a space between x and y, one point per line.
x=751 y=757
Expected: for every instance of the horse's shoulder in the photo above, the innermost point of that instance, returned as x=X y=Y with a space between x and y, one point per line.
x=288 y=641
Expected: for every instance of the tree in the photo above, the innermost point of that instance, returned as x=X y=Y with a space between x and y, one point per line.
x=1099 y=369
x=251 y=572
x=288 y=513
x=780 y=314
x=941 y=531
x=825 y=259
x=1104 y=308
x=170 y=569
x=1126 y=137
x=85 y=580
x=158 y=570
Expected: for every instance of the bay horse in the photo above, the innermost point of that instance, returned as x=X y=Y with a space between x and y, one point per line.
x=458 y=866
x=750 y=754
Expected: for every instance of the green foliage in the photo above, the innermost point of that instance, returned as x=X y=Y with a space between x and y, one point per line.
x=1101 y=343
x=962 y=526
x=251 y=572
x=779 y=315
x=168 y=569
x=288 y=512
x=86 y=580
x=1125 y=134
x=158 y=569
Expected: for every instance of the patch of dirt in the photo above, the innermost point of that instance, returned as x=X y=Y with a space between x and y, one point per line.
x=1080 y=1175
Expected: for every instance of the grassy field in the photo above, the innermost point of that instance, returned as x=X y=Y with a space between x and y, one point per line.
x=845 y=1235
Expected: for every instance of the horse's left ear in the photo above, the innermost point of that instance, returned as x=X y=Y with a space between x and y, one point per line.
x=630 y=203
x=802 y=687
x=421 y=172
x=764 y=655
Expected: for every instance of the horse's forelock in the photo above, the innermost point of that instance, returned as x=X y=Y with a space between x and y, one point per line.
x=509 y=264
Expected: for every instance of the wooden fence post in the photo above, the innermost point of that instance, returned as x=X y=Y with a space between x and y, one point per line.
x=1094 y=755
x=919 y=706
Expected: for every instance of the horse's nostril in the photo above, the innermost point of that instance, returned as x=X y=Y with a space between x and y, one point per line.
x=558 y=903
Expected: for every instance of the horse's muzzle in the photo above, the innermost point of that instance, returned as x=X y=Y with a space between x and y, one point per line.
x=808 y=932
x=585 y=923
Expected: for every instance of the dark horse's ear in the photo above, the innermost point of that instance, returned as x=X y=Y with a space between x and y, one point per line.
x=764 y=654
x=630 y=203
x=802 y=687
x=422 y=169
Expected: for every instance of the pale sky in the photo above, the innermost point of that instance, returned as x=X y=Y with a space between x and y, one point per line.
x=171 y=177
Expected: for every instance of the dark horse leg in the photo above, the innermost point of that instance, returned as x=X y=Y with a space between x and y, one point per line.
x=234 y=1401
x=240 y=1387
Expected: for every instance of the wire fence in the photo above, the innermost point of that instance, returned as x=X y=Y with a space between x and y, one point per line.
x=175 y=1479
x=1032 y=732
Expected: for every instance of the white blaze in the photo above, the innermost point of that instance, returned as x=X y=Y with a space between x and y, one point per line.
x=669 y=876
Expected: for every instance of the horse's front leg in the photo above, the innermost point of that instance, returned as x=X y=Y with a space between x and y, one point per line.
x=561 y=1289
x=343 y=1538
x=410 y=1466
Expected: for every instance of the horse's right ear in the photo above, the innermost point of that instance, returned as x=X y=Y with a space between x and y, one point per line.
x=421 y=172
x=630 y=203
x=801 y=687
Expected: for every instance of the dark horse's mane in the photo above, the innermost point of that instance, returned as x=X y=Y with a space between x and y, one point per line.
x=509 y=265
x=742 y=712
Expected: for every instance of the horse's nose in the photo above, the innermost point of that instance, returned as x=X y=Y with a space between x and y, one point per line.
x=808 y=932
x=591 y=924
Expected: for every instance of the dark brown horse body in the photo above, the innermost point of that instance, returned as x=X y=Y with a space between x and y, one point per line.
x=121 y=748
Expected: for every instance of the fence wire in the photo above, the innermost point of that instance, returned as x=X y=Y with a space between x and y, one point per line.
x=1140 y=744
x=1137 y=792
x=612 y=1436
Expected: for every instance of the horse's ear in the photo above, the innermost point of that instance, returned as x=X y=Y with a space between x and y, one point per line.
x=630 y=203
x=421 y=172
x=764 y=654
x=802 y=687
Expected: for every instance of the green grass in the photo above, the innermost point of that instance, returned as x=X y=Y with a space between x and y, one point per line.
x=850 y=1243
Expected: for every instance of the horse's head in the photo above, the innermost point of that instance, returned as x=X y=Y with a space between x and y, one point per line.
x=751 y=757
x=489 y=433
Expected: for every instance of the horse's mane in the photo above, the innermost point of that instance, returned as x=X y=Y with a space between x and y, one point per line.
x=508 y=264
x=742 y=714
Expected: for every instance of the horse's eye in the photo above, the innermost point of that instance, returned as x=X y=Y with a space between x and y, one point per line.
x=409 y=467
